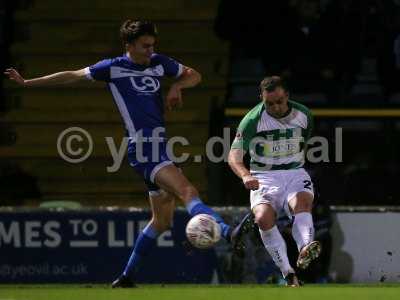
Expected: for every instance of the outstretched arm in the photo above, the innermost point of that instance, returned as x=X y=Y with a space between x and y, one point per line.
x=189 y=78
x=52 y=79
x=235 y=161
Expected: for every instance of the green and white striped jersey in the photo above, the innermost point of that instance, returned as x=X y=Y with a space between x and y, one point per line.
x=275 y=144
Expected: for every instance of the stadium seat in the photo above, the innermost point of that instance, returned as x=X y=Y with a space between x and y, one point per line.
x=359 y=125
x=244 y=95
x=246 y=71
x=60 y=205
x=53 y=37
x=310 y=99
x=395 y=99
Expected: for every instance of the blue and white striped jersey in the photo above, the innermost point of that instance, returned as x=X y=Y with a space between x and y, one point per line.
x=136 y=89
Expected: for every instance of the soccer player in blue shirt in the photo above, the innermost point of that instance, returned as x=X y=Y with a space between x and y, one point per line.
x=134 y=81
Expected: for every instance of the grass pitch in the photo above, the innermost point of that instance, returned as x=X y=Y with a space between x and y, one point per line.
x=199 y=292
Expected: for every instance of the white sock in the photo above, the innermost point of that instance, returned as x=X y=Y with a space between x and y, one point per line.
x=276 y=247
x=303 y=229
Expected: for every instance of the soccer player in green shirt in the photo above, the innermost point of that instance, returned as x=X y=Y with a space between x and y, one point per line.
x=275 y=133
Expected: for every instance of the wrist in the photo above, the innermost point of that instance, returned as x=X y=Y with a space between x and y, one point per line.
x=245 y=175
x=177 y=85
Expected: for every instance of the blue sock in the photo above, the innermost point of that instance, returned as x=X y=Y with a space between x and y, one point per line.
x=145 y=242
x=196 y=206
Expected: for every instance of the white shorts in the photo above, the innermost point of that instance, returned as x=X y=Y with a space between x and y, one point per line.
x=278 y=187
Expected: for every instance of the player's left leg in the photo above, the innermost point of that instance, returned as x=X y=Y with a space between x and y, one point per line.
x=300 y=201
x=303 y=227
x=162 y=207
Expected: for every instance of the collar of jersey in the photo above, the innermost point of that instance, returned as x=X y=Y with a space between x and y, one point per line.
x=285 y=115
x=131 y=61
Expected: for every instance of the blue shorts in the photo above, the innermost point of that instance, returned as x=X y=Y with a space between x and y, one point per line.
x=146 y=164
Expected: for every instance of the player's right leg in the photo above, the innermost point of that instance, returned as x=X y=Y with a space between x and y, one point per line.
x=264 y=215
x=171 y=179
x=162 y=207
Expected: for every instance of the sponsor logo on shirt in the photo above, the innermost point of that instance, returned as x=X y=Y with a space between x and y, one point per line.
x=281 y=148
x=145 y=84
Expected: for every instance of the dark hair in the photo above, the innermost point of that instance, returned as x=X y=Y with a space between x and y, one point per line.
x=271 y=83
x=131 y=30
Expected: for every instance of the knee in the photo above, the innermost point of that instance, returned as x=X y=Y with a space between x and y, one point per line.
x=304 y=204
x=188 y=192
x=263 y=221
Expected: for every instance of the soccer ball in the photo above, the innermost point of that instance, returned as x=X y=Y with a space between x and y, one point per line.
x=203 y=231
